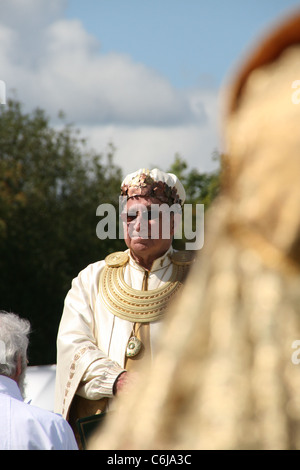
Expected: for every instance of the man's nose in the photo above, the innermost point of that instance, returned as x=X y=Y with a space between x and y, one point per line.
x=140 y=226
x=138 y=222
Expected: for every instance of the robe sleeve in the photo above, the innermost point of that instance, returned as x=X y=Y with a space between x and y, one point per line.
x=82 y=367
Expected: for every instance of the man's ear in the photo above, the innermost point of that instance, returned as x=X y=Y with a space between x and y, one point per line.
x=19 y=366
x=176 y=221
x=18 y=371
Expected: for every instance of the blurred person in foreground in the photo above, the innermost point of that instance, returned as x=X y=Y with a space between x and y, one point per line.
x=24 y=426
x=113 y=312
x=227 y=373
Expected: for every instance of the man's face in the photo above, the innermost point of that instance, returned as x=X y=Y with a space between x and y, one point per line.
x=148 y=227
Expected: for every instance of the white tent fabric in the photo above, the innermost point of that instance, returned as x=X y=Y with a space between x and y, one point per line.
x=40 y=386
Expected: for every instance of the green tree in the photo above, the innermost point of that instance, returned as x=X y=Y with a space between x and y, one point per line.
x=201 y=188
x=50 y=188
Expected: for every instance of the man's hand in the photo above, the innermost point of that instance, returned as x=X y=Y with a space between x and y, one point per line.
x=124 y=380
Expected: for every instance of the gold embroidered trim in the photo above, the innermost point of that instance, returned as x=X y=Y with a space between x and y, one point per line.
x=76 y=358
x=119 y=258
x=183 y=258
x=135 y=305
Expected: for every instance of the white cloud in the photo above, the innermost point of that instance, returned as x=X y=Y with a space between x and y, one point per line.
x=24 y=14
x=145 y=146
x=105 y=88
x=56 y=64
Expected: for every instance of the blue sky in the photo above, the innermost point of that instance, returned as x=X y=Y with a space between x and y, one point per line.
x=190 y=42
x=143 y=75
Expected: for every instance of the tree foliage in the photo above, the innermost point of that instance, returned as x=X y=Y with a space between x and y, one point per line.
x=50 y=187
x=201 y=188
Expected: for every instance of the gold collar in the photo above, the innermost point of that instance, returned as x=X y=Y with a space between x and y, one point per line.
x=136 y=305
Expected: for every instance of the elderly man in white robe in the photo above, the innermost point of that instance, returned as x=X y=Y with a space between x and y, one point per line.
x=22 y=425
x=113 y=311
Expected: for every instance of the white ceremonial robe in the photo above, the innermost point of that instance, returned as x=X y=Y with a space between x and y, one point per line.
x=91 y=341
x=27 y=427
